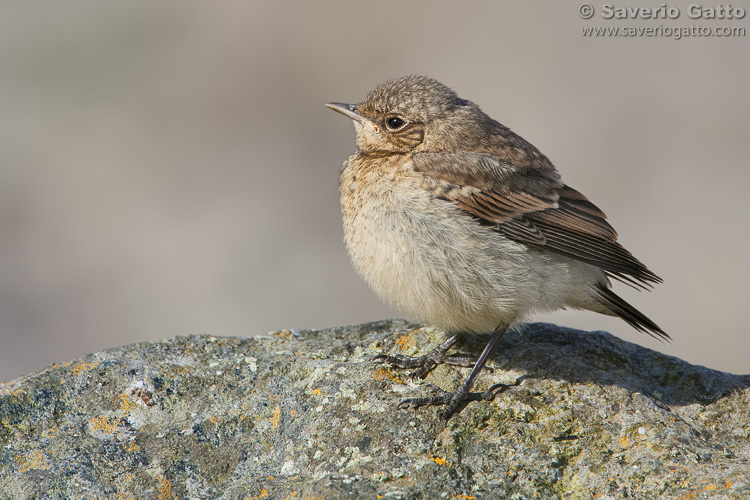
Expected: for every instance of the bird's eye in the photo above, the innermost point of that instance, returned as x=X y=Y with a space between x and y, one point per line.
x=394 y=123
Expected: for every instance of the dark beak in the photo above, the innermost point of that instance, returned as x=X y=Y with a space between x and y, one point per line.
x=350 y=110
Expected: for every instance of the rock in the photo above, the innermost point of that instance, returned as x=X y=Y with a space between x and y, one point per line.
x=306 y=414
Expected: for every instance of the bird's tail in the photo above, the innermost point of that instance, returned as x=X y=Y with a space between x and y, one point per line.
x=618 y=307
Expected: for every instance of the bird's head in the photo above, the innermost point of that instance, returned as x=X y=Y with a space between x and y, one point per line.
x=414 y=113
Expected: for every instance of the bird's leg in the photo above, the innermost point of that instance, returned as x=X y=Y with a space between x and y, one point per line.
x=463 y=393
x=426 y=363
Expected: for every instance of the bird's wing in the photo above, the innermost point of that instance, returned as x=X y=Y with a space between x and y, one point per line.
x=531 y=206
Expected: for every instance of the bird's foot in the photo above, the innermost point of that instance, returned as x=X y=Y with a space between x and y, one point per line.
x=454 y=399
x=463 y=393
x=426 y=363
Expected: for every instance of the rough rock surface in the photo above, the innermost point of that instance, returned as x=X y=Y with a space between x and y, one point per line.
x=306 y=414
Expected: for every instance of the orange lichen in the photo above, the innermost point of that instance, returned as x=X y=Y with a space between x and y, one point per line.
x=105 y=424
x=405 y=342
x=35 y=459
x=384 y=373
x=50 y=433
x=440 y=461
x=84 y=367
x=126 y=404
x=165 y=489
x=275 y=418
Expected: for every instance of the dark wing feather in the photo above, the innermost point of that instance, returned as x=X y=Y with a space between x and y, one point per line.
x=532 y=206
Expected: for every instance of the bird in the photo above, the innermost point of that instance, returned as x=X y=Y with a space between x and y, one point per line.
x=461 y=223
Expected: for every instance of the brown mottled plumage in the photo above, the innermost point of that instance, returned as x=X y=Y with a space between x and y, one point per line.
x=455 y=219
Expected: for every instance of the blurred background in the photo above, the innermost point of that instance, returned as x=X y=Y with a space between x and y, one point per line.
x=170 y=168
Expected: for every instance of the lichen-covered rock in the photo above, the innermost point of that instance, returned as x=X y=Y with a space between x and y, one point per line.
x=305 y=414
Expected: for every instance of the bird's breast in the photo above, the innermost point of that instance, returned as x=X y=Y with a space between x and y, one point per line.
x=380 y=228
x=420 y=253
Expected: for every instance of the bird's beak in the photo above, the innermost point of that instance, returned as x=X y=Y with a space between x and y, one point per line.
x=350 y=110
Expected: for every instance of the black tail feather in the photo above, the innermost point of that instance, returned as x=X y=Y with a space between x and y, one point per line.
x=630 y=314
